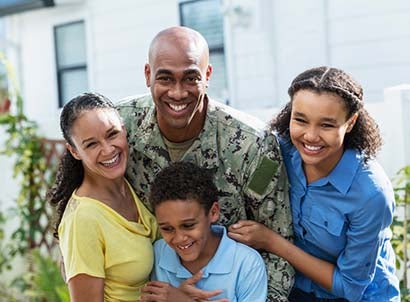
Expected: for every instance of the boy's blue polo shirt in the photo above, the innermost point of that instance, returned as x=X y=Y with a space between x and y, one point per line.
x=236 y=269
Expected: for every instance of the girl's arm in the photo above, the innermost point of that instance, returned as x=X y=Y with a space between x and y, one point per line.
x=258 y=236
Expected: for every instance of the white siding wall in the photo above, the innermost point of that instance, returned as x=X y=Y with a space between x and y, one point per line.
x=250 y=49
x=300 y=28
x=120 y=33
x=371 y=39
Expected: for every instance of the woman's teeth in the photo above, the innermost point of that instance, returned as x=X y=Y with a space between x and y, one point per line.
x=111 y=161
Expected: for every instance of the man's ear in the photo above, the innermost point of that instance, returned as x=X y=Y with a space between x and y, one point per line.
x=147 y=72
x=73 y=151
x=214 y=212
x=208 y=72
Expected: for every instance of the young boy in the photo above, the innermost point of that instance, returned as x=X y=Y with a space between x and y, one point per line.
x=184 y=198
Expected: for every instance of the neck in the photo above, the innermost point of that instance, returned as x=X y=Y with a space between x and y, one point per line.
x=322 y=169
x=102 y=187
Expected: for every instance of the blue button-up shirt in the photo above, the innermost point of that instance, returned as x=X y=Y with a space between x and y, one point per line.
x=344 y=218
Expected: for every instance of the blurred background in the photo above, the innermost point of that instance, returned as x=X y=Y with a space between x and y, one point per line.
x=53 y=50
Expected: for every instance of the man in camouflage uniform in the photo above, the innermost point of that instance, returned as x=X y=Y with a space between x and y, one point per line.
x=178 y=121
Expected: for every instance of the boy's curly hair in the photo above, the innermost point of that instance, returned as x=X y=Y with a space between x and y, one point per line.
x=184 y=181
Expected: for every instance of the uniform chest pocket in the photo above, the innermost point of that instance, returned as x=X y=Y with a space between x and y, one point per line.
x=331 y=221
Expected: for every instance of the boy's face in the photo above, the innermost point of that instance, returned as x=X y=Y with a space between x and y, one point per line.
x=187 y=229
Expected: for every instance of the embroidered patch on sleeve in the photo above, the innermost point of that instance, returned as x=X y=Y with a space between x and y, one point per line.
x=263 y=175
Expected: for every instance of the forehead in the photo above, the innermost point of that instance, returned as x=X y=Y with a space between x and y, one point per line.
x=178 y=210
x=320 y=105
x=171 y=55
x=92 y=121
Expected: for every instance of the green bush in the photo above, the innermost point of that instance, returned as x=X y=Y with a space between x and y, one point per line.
x=401 y=228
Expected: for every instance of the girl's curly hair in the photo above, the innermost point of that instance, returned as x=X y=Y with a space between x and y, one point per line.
x=365 y=135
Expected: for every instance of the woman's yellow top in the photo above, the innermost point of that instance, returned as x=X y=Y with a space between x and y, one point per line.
x=97 y=241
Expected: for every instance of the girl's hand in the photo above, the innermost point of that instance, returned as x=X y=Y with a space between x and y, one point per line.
x=251 y=233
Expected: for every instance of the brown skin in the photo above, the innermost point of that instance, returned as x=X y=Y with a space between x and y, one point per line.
x=86 y=288
x=177 y=74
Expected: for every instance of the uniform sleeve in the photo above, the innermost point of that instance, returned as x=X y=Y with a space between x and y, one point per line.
x=252 y=281
x=81 y=245
x=356 y=265
x=267 y=202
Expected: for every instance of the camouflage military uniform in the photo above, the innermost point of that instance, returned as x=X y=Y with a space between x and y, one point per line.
x=249 y=172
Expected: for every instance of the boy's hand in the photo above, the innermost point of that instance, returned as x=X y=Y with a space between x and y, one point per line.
x=157 y=291
x=188 y=287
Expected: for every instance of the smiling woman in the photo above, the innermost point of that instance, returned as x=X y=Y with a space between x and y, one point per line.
x=105 y=233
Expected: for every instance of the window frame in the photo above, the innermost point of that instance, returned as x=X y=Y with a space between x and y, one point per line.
x=61 y=70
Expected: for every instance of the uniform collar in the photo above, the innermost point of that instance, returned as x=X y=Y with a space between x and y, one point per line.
x=203 y=151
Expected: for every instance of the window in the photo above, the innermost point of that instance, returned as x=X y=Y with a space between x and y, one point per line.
x=205 y=16
x=8 y=7
x=71 y=60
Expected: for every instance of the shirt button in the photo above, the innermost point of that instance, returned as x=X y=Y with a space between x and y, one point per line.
x=326 y=223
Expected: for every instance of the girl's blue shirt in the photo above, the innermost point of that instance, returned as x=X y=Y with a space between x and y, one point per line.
x=344 y=218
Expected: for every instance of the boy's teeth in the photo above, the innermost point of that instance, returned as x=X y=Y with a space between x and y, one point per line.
x=178 y=107
x=184 y=247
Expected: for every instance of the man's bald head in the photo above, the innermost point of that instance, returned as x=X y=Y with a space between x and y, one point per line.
x=180 y=37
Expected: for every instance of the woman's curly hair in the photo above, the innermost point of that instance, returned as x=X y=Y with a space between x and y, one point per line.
x=365 y=135
x=70 y=172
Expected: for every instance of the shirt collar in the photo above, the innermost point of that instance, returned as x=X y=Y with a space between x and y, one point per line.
x=341 y=176
x=219 y=264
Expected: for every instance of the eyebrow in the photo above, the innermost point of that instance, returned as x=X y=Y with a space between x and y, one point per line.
x=325 y=119
x=190 y=71
x=183 y=221
x=185 y=72
x=163 y=71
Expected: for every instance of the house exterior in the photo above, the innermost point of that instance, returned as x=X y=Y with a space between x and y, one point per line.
x=62 y=47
